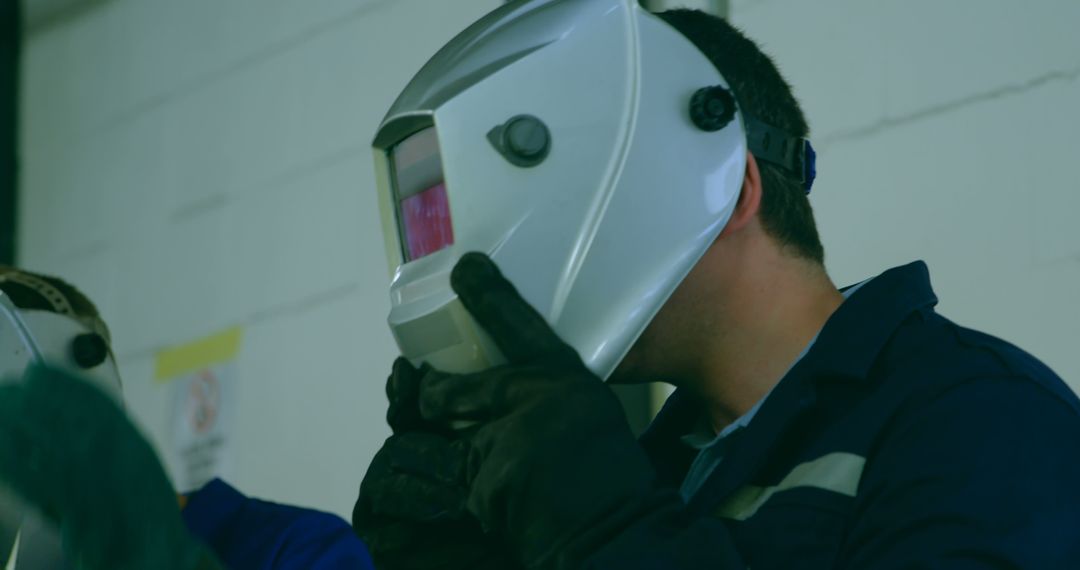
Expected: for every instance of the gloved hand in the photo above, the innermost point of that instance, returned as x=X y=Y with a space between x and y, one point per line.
x=71 y=452
x=552 y=464
x=411 y=509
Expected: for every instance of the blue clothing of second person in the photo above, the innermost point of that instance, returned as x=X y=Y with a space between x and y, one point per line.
x=251 y=534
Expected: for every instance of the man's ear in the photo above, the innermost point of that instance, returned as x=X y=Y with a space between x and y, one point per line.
x=749 y=199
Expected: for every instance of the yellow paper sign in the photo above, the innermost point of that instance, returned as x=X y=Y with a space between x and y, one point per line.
x=197 y=355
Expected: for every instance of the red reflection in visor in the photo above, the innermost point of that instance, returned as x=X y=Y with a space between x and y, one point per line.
x=426 y=217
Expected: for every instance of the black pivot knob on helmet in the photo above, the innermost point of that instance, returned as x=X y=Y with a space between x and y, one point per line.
x=523 y=140
x=89 y=350
x=712 y=108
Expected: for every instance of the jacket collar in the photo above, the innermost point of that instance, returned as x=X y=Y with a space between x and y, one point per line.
x=846 y=348
x=856 y=333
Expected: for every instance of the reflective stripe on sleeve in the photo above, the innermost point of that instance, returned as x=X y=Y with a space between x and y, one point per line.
x=837 y=472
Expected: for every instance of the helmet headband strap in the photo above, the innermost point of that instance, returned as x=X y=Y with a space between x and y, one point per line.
x=793 y=154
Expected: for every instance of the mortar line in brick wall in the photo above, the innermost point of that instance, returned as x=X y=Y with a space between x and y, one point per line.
x=222 y=199
x=212 y=77
x=1059 y=76
x=299 y=306
x=745 y=6
x=300 y=172
x=278 y=182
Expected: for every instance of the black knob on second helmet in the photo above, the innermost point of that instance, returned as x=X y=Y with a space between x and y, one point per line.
x=89 y=350
x=712 y=108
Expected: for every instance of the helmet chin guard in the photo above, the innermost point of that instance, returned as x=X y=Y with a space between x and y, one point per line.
x=555 y=136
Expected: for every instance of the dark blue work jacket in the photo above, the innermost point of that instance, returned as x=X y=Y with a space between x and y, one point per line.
x=901 y=440
x=250 y=534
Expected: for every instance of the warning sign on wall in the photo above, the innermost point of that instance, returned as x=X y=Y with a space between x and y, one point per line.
x=200 y=377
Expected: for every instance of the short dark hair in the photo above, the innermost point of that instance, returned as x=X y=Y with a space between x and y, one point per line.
x=762 y=92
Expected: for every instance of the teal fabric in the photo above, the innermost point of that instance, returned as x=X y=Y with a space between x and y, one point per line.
x=70 y=451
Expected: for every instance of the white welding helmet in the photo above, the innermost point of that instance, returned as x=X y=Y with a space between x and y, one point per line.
x=61 y=338
x=585 y=145
x=58 y=337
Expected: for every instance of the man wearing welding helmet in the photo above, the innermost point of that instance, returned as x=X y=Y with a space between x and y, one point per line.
x=642 y=182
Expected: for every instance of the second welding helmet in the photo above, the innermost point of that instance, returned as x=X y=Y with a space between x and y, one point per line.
x=39 y=322
x=590 y=149
x=53 y=332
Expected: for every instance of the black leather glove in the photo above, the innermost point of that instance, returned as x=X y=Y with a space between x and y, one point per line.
x=552 y=465
x=411 y=509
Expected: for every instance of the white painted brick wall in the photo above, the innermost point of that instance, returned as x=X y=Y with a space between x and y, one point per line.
x=201 y=164
x=947 y=132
